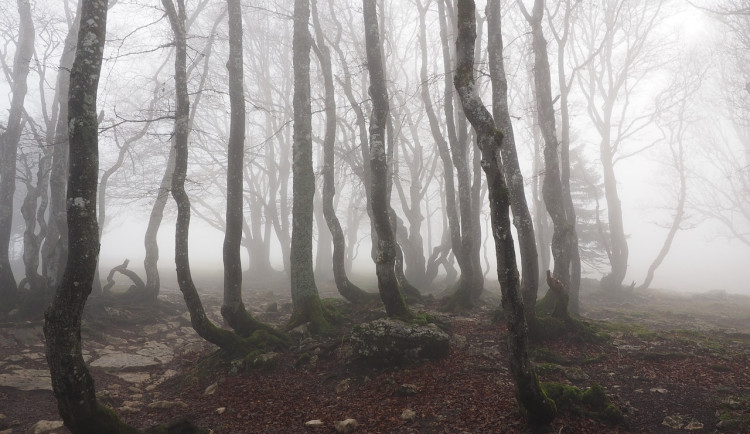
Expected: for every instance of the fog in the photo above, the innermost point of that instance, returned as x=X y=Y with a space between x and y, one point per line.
x=689 y=45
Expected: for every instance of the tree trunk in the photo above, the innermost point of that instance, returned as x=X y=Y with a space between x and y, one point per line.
x=9 y=151
x=618 y=242
x=305 y=298
x=71 y=382
x=552 y=189
x=513 y=177
x=346 y=288
x=385 y=255
x=538 y=407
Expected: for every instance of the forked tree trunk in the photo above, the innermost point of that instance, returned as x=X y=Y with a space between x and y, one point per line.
x=9 y=151
x=513 y=177
x=385 y=254
x=538 y=407
x=305 y=298
x=346 y=288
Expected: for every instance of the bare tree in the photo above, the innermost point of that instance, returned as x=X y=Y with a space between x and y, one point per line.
x=539 y=409
x=9 y=150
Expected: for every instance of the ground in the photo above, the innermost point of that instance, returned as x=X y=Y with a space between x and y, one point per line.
x=670 y=363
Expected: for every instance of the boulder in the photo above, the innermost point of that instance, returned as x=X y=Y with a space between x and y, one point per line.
x=45 y=426
x=388 y=341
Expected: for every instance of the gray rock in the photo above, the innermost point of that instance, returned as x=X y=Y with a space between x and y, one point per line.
x=45 y=426
x=576 y=374
x=221 y=410
x=27 y=379
x=211 y=389
x=315 y=423
x=117 y=361
x=343 y=386
x=408 y=415
x=387 y=341
x=346 y=425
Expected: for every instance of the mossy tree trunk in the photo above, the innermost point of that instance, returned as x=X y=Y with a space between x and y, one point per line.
x=513 y=176
x=9 y=151
x=552 y=189
x=305 y=298
x=72 y=384
x=346 y=288
x=385 y=252
x=233 y=309
x=538 y=407
x=224 y=339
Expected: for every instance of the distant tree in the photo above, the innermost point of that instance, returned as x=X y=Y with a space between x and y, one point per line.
x=9 y=150
x=540 y=410
x=385 y=253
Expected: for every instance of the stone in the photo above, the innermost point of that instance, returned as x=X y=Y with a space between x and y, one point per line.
x=658 y=390
x=117 y=361
x=133 y=377
x=387 y=341
x=346 y=425
x=576 y=374
x=45 y=426
x=221 y=410
x=211 y=389
x=315 y=423
x=301 y=331
x=407 y=389
x=27 y=379
x=343 y=385
x=408 y=415
x=167 y=404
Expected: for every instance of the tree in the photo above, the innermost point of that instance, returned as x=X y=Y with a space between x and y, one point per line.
x=9 y=150
x=539 y=408
x=552 y=189
x=305 y=298
x=71 y=382
x=385 y=253
x=346 y=288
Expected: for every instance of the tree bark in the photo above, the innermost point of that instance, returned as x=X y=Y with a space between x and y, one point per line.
x=305 y=298
x=346 y=288
x=9 y=151
x=71 y=382
x=385 y=254
x=552 y=189
x=540 y=410
x=513 y=178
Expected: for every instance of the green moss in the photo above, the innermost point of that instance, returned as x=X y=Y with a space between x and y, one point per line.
x=548 y=368
x=537 y=406
x=303 y=359
x=592 y=402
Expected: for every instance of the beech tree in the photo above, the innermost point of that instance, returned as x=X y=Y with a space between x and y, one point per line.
x=9 y=150
x=539 y=408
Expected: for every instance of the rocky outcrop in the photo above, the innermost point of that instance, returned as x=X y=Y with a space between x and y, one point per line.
x=389 y=341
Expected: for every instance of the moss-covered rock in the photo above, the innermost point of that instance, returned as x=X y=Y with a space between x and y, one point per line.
x=389 y=341
x=592 y=402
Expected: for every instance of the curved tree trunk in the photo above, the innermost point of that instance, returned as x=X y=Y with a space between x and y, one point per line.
x=71 y=382
x=385 y=256
x=552 y=189
x=346 y=288
x=305 y=298
x=539 y=408
x=513 y=177
x=9 y=151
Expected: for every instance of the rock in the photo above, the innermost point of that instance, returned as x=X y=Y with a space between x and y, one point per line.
x=387 y=341
x=658 y=390
x=407 y=390
x=45 y=426
x=221 y=410
x=27 y=379
x=343 y=386
x=576 y=374
x=211 y=389
x=132 y=404
x=408 y=415
x=133 y=377
x=126 y=409
x=167 y=404
x=458 y=341
x=117 y=361
x=346 y=425
x=301 y=331
x=315 y=423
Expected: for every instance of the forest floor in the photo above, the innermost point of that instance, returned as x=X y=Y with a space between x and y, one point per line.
x=671 y=363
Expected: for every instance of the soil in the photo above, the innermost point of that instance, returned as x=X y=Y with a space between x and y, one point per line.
x=670 y=363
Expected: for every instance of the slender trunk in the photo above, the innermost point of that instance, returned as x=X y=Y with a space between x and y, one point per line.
x=618 y=243
x=513 y=177
x=305 y=298
x=385 y=256
x=9 y=151
x=538 y=407
x=346 y=288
